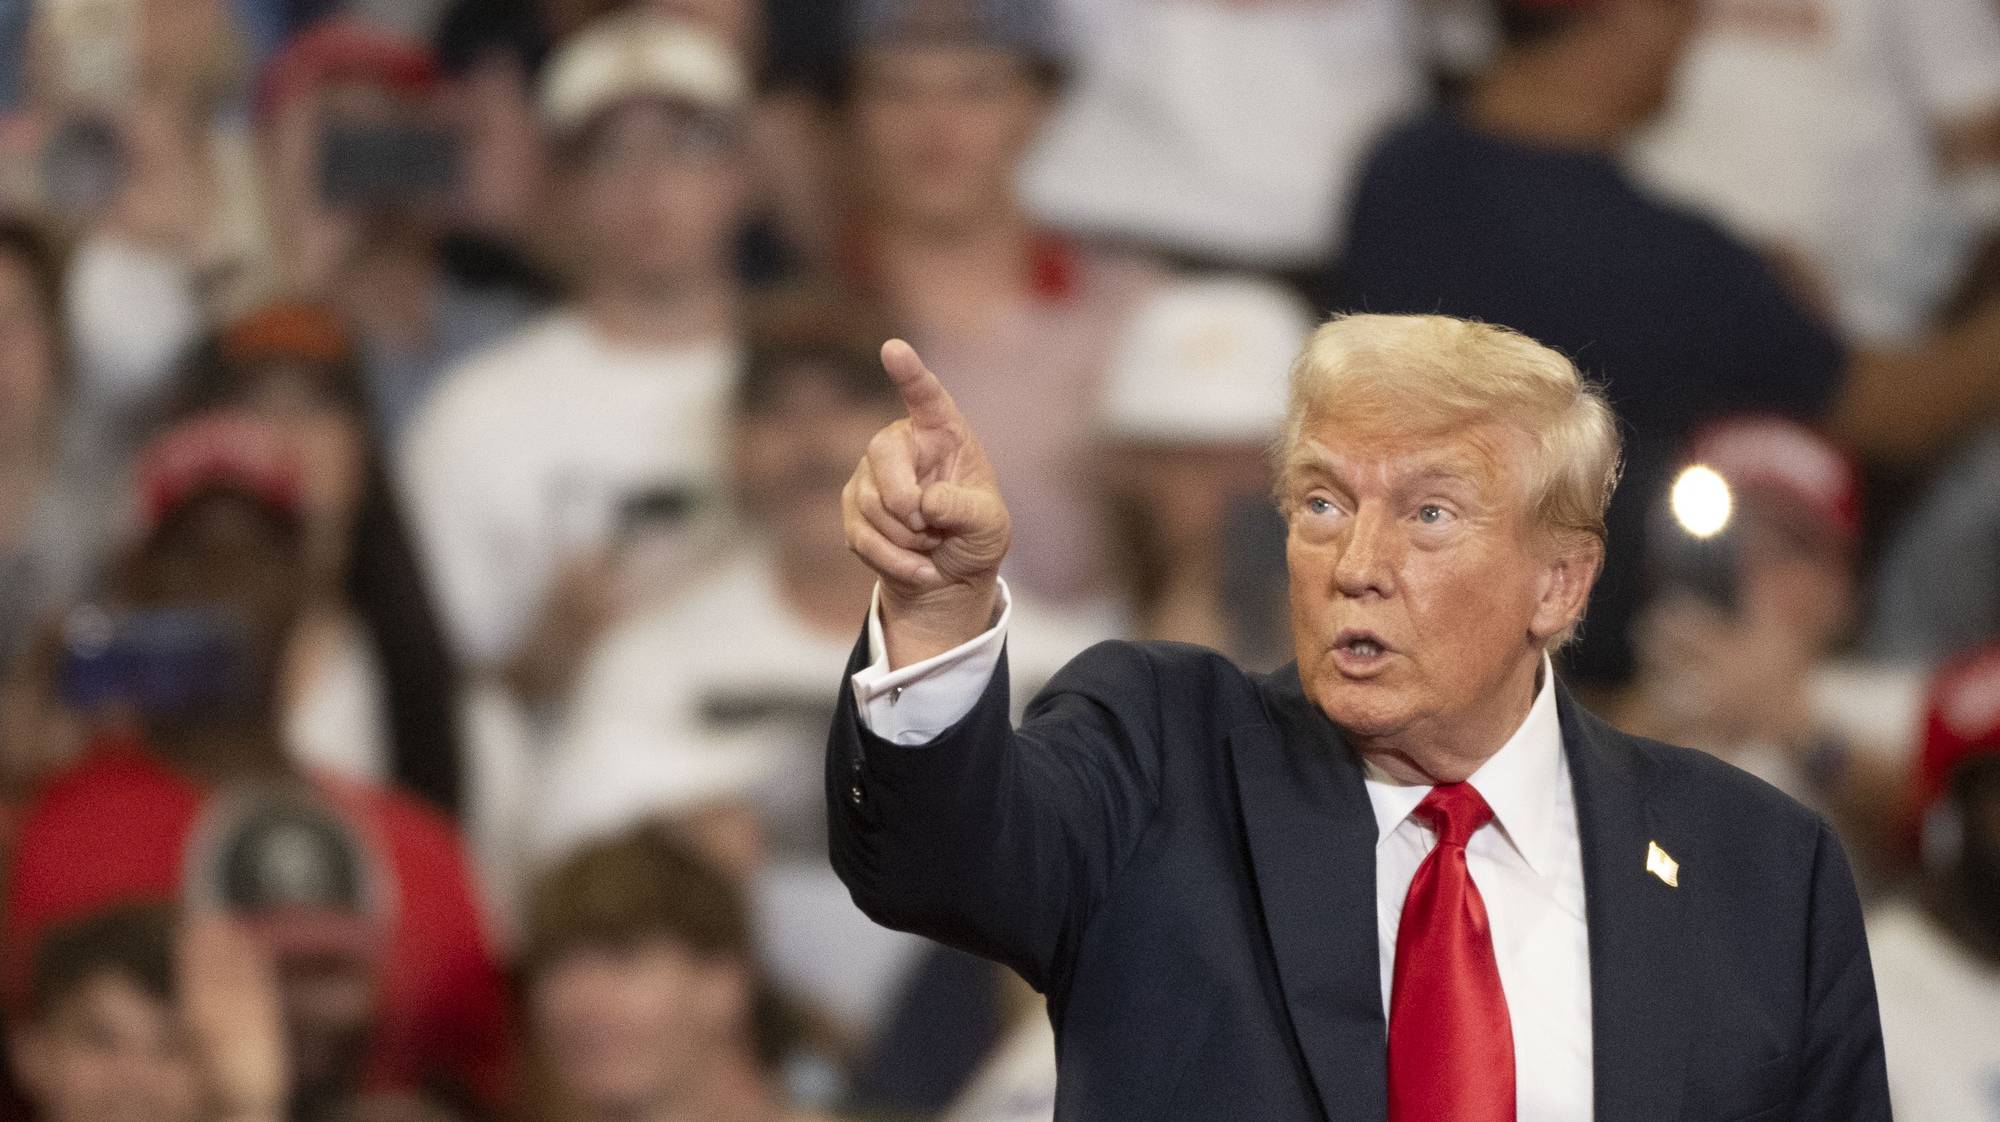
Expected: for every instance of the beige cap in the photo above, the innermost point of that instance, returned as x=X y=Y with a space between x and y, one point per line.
x=1206 y=361
x=636 y=54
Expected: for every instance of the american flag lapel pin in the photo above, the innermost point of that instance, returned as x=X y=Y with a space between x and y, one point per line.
x=1662 y=866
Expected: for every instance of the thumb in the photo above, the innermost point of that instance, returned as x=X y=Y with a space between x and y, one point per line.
x=955 y=508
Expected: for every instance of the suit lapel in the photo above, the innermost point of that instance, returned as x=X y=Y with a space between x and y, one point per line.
x=1312 y=846
x=1640 y=1005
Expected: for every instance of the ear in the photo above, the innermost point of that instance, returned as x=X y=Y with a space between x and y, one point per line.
x=1564 y=589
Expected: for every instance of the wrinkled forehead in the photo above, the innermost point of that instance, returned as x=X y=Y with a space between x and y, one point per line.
x=1487 y=456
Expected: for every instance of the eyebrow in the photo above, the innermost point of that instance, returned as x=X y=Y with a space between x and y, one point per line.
x=1455 y=469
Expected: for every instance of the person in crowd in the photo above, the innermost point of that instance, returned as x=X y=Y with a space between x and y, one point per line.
x=366 y=159
x=1225 y=131
x=1856 y=141
x=286 y=869
x=1937 y=954
x=1510 y=206
x=1196 y=394
x=147 y=156
x=532 y=455
x=51 y=508
x=940 y=102
x=185 y=671
x=1937 y=588
x=374 y=692
x=102 y=1037
x=710 y=711
x=1742 y=643
x=292 y=370
x=138 y=1012
x=643 y=993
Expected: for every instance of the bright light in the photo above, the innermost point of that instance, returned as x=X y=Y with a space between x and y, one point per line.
x=1701 y=501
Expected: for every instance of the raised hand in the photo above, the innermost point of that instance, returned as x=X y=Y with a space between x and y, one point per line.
x=234 y=1015
x=924 y=511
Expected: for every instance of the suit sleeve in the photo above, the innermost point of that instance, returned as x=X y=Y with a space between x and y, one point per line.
x=1844 y=1075
x=996 y=841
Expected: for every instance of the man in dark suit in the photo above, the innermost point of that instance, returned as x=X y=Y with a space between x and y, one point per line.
x=1407 y=877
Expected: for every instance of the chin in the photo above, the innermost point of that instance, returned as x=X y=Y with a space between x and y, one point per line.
x=1369 y=708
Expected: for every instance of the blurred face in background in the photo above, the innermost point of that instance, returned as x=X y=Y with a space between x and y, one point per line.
x=226 y=552
x=1797 y=577
x=939 y=130
x=1637 y=47
x=626 y=1028
x=320 y=431
x=792 y=455
x=109 y=1052
x=27 y=352
x=658 y=191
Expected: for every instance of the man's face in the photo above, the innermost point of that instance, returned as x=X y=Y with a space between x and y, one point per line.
x=939 y=130
x=659 y=194
x=226 y=552
x=622 y=1028
x=1652 y=38
x=1420 y=603
x=1796 y=579
x=110 y=1052
x=793 y=456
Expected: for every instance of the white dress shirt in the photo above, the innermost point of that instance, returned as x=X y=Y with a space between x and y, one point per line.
x=1527 y=862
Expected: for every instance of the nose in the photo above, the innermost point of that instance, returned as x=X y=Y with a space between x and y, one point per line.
x=1368 y=555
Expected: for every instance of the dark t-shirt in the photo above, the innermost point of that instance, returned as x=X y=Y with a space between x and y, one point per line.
x=1681 y=322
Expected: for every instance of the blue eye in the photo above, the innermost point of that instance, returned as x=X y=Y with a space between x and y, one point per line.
x=1430 y=514
x=1318 y=504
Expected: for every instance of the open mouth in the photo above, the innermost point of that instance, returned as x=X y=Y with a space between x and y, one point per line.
x=1360 y=644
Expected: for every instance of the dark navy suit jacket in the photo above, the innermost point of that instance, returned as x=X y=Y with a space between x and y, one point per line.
x=1181 y=855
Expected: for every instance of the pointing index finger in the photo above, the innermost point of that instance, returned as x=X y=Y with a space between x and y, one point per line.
x=924 y=397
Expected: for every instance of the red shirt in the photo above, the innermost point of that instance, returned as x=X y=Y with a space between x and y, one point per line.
x=115 y=829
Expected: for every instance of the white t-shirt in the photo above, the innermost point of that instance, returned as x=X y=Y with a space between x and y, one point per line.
x=521 y=460
x=1809 y=123
x=1940 y=1020
x=725 y=694
x=1229 y=129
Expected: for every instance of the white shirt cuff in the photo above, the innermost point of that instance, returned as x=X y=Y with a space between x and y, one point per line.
x=913 y=705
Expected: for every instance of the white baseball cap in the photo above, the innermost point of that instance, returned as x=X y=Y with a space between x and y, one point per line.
x=637 y=54
x=1206 y=361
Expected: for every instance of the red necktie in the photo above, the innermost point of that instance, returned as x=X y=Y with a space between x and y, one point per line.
x=1451 y=1047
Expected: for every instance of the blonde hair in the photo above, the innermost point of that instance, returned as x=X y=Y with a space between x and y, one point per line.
x=1422 y=374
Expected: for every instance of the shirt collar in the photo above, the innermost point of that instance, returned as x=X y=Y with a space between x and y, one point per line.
x=1518 y=782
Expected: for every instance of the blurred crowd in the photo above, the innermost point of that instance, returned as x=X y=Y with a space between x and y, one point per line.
x=422 y=427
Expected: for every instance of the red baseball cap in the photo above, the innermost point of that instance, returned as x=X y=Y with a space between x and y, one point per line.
x=222 y=449
x=344 y=50
x=1774 y=455
x=1962 y=723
